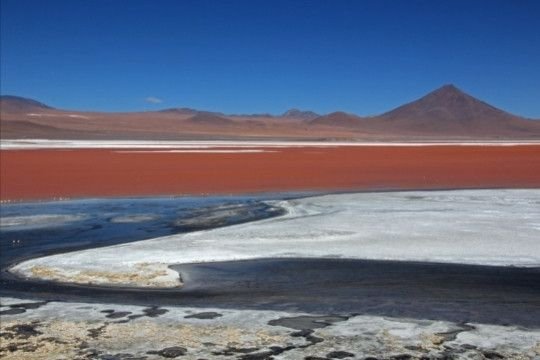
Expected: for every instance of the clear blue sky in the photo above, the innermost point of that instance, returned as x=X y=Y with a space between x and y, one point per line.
x=267 y=56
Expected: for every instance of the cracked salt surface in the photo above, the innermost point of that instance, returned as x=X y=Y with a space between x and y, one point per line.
x=485 y=227
x=89 y=330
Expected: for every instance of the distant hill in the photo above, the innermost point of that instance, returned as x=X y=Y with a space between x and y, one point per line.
x=448 y=110
x=182 y=111
x=10 y=103
x=210 y=119
x=446 y=113
x=338 y=119
x=300 y=114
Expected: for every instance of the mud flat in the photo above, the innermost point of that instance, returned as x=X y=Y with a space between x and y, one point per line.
x=479 y=227
x=36 y=170
x=37 y=330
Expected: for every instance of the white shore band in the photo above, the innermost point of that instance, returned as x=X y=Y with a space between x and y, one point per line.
x=27 y=144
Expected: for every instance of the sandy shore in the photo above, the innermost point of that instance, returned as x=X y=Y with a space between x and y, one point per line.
x=225 y=168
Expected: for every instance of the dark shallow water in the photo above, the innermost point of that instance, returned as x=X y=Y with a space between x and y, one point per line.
x=498 y=295
x=460 y=293
x=103 y=222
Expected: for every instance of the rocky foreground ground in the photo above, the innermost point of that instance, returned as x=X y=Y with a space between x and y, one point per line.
x=59 y=330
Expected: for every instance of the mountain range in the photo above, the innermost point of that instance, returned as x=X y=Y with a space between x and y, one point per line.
x=446 y=113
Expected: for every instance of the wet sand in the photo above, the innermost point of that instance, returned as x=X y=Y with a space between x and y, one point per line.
x=61 y=173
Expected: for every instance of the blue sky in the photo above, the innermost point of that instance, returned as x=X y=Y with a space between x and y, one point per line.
x=256 y=56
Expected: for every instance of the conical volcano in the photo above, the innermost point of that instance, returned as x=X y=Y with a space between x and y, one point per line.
x=450 y=111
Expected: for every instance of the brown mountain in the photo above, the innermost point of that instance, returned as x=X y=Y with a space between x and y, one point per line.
x=210 y=119
x=9 y=103
x=446 y=113
x=450 y=111
x=300 y=114
x=183 y=111
x=338 y=119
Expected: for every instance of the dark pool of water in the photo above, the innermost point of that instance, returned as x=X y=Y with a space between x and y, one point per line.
x=453 y=292
x=105 y=222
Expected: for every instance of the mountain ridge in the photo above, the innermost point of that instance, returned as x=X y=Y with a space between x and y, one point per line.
x=446 y=112
x=292 y=112
x=15 y=103
x=300 y=114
